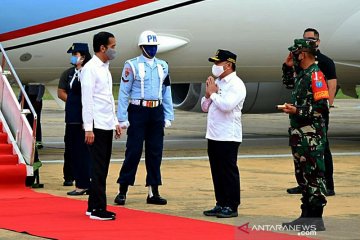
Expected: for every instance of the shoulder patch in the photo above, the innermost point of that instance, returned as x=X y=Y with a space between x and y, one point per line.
x=125 y=76
x=127 y=72
x=319 y=86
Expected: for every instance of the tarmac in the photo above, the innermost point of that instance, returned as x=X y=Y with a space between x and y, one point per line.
x=265 y=165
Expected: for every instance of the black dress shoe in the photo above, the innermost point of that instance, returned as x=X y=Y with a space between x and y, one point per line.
x=227 y=212
x=77 y=193
x=294 y=190
x=330 y=193
x=157 y=200
x=120 y=199
x=213 y=212
x=68 y=183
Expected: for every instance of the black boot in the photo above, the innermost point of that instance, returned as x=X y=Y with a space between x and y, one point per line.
x=154 y=197
x=294 y=190
x=315 y=218
x=121 y=197
x=300 y=221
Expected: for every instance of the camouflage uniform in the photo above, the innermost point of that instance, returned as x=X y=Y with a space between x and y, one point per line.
x=307 y=133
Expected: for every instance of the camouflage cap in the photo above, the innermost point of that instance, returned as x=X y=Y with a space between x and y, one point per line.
x=302 y=43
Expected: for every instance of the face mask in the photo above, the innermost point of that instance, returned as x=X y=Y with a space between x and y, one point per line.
x=217 y=70
x=150 y=50
x=74 y=60
x=110 y=53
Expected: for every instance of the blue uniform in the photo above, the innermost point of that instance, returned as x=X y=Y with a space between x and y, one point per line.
x=145 y=101
x=77 y=150
x=130 y=86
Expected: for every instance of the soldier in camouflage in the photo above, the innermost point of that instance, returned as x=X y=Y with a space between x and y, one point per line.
x=307 y=129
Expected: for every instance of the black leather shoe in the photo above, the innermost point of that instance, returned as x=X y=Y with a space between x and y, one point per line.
x=157 y=200
x=68 y=183
x=120 y=199
x=330 y=193
x=213 y=212
x=294 y=190
x=77 y=193
x=227 y=212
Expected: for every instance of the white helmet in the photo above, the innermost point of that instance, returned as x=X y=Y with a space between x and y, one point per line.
x=148 y=38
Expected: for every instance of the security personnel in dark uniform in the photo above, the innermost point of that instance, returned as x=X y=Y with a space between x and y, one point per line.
x=78 y=156
x=145 y=83
x=307 y=132
x=327 y=66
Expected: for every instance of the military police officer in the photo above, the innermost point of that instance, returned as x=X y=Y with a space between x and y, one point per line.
x=307 y=132
x=145 y=107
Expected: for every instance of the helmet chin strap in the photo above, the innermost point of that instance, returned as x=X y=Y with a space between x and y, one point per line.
x=144 y=51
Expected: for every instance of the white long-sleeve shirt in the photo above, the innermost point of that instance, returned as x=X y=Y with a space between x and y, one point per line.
x=98 y=106
x=224 y=109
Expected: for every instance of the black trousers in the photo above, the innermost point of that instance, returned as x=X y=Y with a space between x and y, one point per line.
x=328 y=160
x=100 y=152
x=79 y=155
x=225 y=173
x=67 y=168
x=146 y=124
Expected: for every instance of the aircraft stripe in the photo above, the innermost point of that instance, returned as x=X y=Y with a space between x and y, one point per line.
x=146 y=14
x=21 y=14
x=84 y=16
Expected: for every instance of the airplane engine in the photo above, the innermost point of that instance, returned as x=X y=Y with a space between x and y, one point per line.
x=262 y=97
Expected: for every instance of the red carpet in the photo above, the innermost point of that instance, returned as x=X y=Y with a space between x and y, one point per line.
x=23 y=210
x=45 y=215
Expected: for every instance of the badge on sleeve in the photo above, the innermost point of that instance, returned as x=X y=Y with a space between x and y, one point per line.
x=319 y=86
x=125 y=75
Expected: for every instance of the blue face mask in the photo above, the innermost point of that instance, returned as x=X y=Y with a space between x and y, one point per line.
x=74 y=60
x=149 y=50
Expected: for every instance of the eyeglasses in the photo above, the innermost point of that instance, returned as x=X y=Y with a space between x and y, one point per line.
x=312 y=38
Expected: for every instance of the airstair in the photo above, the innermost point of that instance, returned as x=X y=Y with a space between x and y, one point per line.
x=17 y=137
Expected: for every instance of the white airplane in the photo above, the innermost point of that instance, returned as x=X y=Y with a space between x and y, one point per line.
x=36 y=35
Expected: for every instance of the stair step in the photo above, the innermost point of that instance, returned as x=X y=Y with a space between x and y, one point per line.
x=9 y=159
x=11 y=175
x=3 y=137
x=6 y=149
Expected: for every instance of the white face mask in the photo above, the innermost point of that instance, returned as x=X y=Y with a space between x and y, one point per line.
x=217 y=70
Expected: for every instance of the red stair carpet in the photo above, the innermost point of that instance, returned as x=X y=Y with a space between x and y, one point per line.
x=11 y=173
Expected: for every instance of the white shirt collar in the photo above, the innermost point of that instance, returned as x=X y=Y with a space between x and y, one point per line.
x=228 y=77
x=98 y=61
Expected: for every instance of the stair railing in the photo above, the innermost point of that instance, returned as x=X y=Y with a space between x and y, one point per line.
x=14 y=113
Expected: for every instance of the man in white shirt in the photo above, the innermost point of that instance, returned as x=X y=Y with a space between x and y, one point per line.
x=99 y=120
x=223 y=101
